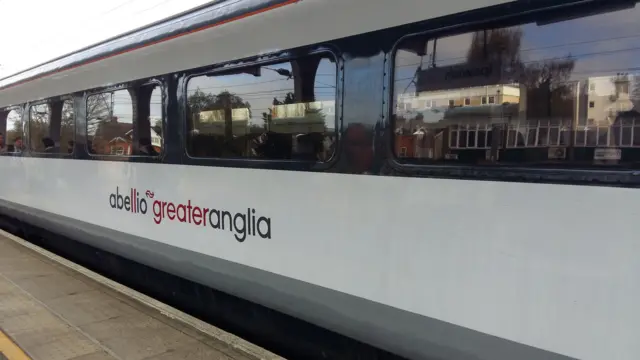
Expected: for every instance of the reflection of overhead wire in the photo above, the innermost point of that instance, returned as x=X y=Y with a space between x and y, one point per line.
x=321 y=83
x=236 y=85
x=573 y=57
x=583 y=72
x=276 y=90
x=191 y=90
x=544 y=48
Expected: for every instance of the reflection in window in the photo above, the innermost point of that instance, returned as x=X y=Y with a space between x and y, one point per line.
x=118 y=125
x=283 y=111
x=51 y=127
x=39 y=128
x=13 y=141
x=560 y=93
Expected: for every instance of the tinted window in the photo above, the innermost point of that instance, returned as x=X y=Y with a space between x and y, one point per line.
x=119 y=126
x=51 y=127
x=561 y=94
x=283 y=111
x=15 y=131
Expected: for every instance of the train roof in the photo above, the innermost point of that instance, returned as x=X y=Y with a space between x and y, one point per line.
x=219 y=31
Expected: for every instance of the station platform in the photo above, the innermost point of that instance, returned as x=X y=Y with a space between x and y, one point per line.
x=53 y=309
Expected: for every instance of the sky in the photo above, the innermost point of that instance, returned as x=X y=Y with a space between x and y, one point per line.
x=35 y=31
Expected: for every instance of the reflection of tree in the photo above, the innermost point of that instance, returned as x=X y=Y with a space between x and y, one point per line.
x=317 y=115
x=225 y=100
x=157 y=127
x=545 y=80
x=39 y=123
x=267 y=116
x=500 y=45
x=288 y=99
x=201 y=101
x=98 y=110
x=16 y=116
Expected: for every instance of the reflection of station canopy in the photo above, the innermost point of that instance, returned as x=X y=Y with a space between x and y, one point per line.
x=213 y=121
x=302 y=118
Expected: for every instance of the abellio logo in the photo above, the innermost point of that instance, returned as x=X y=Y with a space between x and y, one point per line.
x=132 y=202
x=241 y=224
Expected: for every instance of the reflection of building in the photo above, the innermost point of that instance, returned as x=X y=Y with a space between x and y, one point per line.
x=473 y=96
x=429 y=107
x=302 y=118
x=600 y=100
x=213 y=122
x=597 y=117
x=116 y=138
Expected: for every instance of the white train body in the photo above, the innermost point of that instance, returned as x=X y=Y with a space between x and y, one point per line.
x=425 y=267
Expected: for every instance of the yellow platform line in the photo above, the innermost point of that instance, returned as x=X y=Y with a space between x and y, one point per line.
x=10 y=350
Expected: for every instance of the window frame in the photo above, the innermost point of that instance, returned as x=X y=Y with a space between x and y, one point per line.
x=501 y=172
x=29 y=105
x=225 y=68
x=126 y=86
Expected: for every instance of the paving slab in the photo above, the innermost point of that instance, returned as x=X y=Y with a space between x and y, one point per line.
x=52 y=309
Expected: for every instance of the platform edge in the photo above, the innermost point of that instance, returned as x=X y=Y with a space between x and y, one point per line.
x=166 y=310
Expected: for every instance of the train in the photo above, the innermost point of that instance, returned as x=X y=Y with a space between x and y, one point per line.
x=442 y=180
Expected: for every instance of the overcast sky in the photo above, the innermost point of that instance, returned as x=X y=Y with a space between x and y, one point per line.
x=34 y=31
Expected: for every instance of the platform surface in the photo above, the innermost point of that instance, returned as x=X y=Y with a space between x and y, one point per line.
x=51 y=309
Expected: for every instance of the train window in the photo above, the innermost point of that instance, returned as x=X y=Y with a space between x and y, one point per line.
x=282 y=111
x=12 y=141
x=119 y=126
x=552 y=93
x=52 y=127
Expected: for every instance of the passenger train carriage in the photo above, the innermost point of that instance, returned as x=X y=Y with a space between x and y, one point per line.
x=450 y=180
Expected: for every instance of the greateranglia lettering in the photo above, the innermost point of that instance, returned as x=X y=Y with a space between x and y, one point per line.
x=240 y=224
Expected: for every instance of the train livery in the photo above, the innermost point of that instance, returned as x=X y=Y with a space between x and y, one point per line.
x=450 y=180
